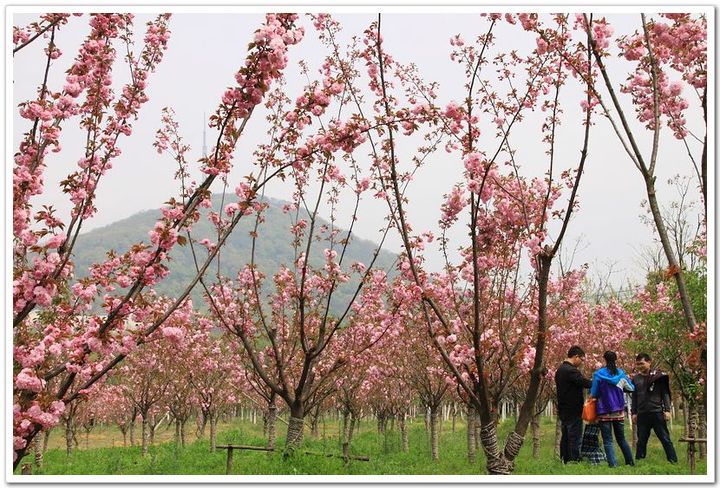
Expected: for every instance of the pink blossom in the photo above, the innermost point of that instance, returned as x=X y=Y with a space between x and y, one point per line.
x=42 y=296
x=542 y=46
x=173 y=334
x=28 y=380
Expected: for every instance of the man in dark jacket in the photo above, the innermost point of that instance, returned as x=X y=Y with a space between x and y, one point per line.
x=651 y=407
x=569 y=383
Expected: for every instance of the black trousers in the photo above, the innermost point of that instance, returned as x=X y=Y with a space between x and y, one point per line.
x=654 y=421
x=570 y=439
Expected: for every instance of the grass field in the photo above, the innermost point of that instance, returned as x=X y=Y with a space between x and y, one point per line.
x=385 y=452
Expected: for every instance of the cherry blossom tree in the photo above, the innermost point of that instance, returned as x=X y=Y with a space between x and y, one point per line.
x=662 y=50
x=214 y=376
x=426 y=377
x=486 y=328
x=498 y=203
x=179 y=396
x=53 y=344
x=143 y=380
x=295 y=316
x=366 y=384
x=297 y=374
x=350 y=396
x=116 y=409
x=253 y=388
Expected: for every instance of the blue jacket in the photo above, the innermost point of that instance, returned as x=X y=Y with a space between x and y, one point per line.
x=608 y=390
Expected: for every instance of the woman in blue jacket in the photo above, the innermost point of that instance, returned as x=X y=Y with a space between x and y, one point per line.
x=608 y=387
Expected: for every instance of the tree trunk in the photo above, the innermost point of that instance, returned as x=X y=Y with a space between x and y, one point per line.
x=386 y=445
x=182 y=431
x=213 y=431
x=145 y=435
x=354 y=425
x=151 y=429
x=404 y=433
x=295 y=432
x=271 y=421
x=454 y=416
x=702 y=430
x=471 y=443
x=345 y=429
x=68 y=436
x=177 y=432
x=497 y=463
x=46 y=440
x=346 y=452
x=535 y=424
x=201 y=425
x=434 y=436
x=692 y=429
x=132 y=432
x=38 y=452
x=314 y=424
x=296 y=425
x=324 y=425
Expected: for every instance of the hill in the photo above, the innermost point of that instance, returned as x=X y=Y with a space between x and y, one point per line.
x=273 y=249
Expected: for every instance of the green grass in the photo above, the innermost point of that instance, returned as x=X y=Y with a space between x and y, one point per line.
x=385 y=452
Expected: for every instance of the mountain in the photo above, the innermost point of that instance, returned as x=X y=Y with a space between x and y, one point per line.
x=273 y=249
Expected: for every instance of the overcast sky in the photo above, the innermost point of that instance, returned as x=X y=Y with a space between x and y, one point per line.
x=206 y=49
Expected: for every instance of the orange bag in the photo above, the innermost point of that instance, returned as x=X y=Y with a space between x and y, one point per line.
x=589 y=413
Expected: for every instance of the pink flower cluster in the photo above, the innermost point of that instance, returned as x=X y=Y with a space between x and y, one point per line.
x=602 y=33
x=681 y=46
x=672 y=104
x=22 y=35
x=26 y=421
x=38 y=284
x=480 y=174
x=90 y=72
x=264 y=64
x=454 y=204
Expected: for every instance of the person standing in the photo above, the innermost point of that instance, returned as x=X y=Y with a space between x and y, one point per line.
x=651 y=407
x=608 y=387
x=569 y=383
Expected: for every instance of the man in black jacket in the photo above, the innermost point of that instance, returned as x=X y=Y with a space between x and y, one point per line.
x=651 y=407
x=569 y=383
